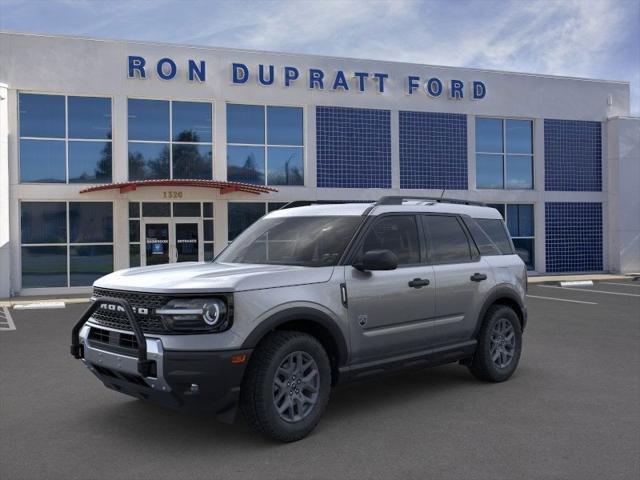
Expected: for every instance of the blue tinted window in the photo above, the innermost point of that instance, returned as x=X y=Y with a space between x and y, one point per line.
x=184 y=209
x=525 y=250
x=489 y=171
x=134 y=210
x=134 y=230
x=191 y=122
x=89 y=162
x=207 y=210
x=43 y=222
x=245 y=164
x=284 y=126
x=148 y=161
x=134 y=255
x=156 y=209
x=208 y=252
x=44 y=267
x=285 y=166
x=519 y=136
x=520 y=220
x=489 y=135
x=148 y=120
x=90 y=222
x=90 y=262
x=519 y=171
x=208 y=230
x=41 y=115
x=42 y=161
x=242 y=215
x=192 y=161
x=245 y=124
x=89 y=117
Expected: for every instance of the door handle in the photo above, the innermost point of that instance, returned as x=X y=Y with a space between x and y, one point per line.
x=418 y=283
x=478 y=277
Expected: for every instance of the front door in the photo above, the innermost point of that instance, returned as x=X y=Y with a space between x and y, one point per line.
x=170 y=240
x=391 y=312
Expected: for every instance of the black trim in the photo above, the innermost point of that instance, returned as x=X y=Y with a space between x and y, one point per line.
x=144 y=365
x=424 y=358
x=494 y=295
x=300 y=314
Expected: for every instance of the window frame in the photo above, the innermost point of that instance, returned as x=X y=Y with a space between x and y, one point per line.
x=353 y=247
x=474 y=252
x=66 y=139
x=266 y=145
x=170 y=142
x=504 y=154
x=67 y=244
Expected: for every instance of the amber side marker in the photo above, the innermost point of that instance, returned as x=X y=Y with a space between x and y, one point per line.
x=238 y=358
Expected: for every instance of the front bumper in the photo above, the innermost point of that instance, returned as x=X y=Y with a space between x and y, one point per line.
x=208 y=380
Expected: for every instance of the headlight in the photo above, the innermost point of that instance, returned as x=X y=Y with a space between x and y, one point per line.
x=195 y=315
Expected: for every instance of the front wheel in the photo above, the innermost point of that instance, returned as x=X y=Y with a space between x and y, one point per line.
x=286 y=388
x=499 y=345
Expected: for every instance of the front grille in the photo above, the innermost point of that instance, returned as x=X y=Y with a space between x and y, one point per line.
x=107 y=339
x=150 y=323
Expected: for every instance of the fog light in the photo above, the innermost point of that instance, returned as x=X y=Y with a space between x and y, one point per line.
x=194 y=388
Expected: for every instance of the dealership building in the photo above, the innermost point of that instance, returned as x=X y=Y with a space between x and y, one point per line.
x=116 y=154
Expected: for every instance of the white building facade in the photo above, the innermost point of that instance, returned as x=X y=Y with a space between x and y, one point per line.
x=116 y=154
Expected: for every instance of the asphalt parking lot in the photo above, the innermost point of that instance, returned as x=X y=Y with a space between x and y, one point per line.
x=572 y=411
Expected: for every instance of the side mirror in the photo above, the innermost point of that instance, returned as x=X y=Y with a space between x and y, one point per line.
x=377 y=260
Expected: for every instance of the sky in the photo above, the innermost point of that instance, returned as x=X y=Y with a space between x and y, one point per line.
x=579 y=38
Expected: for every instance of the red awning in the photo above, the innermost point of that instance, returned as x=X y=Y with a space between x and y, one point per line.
x=224 y=187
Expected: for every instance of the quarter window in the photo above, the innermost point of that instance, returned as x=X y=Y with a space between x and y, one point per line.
x=398 y=233
x=265 y=145
x=504 y=153
x=170 y=140
x=65 y=139
x=447 y=241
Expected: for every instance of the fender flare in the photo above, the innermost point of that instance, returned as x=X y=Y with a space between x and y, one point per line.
x=306 y=314
x=495 y=295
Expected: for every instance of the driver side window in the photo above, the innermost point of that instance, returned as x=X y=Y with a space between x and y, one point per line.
x=398 y=233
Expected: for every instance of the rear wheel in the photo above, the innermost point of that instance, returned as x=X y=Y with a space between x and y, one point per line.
x=286 y=388
x=499 y=345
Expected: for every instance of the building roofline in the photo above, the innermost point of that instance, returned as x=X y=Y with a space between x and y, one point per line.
x=317 y=55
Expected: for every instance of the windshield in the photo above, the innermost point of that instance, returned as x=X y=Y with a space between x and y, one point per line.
x=306 y=241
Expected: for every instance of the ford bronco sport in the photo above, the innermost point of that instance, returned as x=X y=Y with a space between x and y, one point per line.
x=308 y=297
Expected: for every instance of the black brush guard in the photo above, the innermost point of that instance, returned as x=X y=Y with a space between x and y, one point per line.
x=144 y=365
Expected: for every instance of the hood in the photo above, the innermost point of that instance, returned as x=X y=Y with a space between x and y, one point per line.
x=199 y=277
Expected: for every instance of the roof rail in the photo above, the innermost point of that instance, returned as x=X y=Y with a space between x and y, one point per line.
x=306 y=203
x=397 y=200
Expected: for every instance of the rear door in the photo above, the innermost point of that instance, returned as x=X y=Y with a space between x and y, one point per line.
x=389 y=311
x=462 y=278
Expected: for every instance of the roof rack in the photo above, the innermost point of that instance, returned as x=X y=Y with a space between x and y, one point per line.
x=397 y=200
x=306 y=203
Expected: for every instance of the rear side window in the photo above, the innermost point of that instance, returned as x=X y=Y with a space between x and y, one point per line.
x=398 y=233
x=496 y=231
x=447 y=241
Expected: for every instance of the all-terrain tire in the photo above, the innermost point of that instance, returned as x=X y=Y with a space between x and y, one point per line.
x=491 y=344
x=258 y=395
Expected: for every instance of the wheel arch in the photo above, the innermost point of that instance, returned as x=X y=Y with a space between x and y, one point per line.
x=307 y=320
x=507 y=296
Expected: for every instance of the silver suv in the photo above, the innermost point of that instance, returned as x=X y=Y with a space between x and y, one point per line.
x=309 y=297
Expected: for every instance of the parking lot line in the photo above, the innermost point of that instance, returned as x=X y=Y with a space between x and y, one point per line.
x=561 y=299
x=623 y=284
x=6 y=322
x=591 y=290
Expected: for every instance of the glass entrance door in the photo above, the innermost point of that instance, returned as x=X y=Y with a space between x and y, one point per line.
x=172 y=240
x=188 y=241
x=156 y=243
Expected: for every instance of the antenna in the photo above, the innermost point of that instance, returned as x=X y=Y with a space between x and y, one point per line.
x=442 y=194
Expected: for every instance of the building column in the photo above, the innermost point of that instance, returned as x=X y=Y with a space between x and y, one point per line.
x=540 y=250
x=5 y=243
x=623 y=194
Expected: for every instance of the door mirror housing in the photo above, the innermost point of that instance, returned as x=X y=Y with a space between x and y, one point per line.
x=376 y=260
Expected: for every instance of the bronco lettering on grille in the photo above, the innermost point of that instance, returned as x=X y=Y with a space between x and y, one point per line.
x=118 y=308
